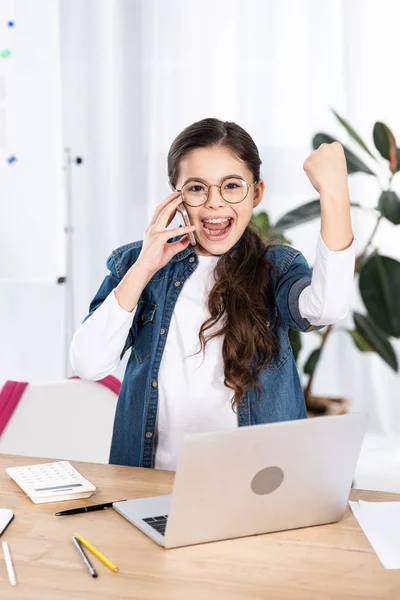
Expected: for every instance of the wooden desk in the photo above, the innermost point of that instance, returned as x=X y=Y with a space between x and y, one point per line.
x=329 y=561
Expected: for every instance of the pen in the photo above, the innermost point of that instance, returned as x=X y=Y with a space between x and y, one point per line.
x=83 y=509
x=99 y=555
x=9 y=564
x=87 y=562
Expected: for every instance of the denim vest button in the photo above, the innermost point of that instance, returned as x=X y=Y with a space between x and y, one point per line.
x=177 y=283
x=192 y=259
x=149 y=434
x=162 y=331
x=154 y=384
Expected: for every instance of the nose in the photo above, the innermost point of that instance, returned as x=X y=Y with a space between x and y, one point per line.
x=214 y=199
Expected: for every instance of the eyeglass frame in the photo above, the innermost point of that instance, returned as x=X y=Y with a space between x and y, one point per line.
x=208 y=186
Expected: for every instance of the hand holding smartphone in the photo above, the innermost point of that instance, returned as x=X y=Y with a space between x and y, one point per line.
x=156 y=252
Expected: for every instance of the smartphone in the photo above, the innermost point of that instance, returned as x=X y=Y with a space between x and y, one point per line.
x=6 y=516
x=182 y=209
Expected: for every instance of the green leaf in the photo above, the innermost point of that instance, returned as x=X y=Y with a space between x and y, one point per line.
x=353 y=134
x=261 y=222
x=379 y=284
x=295 y=342
x=389 y=205
x=376 y=339
x=278 y=237
x=385 y=142
x=303 y=214
x=359 y=341
x=354 y=164
x=312 y=361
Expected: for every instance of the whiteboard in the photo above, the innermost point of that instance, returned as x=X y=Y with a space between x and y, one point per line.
x=32 y=187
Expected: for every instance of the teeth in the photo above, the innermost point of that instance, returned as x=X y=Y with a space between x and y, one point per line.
x=211 y=232
x=216 y=220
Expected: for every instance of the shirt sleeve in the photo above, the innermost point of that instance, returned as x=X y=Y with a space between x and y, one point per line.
x=97 y=346
x=288 y=288
x=327 y=298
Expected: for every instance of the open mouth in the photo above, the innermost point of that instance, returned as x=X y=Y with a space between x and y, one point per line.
x=217 y=230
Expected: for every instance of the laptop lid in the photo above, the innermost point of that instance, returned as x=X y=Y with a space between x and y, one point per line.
x=263 y=478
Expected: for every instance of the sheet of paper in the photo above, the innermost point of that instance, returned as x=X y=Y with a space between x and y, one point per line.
x=380 y=522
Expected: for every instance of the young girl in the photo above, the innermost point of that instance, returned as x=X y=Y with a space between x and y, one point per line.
x=163 y=295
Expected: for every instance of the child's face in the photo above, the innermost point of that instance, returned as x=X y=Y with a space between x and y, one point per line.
x=211 y=165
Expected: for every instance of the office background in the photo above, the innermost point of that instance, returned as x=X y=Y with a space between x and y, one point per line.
x=114 y=81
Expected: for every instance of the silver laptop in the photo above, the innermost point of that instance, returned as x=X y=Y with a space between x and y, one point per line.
x=252 y=480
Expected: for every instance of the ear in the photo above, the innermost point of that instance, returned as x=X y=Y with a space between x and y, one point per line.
x=258 y=193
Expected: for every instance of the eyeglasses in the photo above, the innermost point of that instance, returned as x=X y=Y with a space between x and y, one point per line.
x=231 y=189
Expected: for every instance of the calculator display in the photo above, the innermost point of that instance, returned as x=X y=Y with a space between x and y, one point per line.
x=58 y=487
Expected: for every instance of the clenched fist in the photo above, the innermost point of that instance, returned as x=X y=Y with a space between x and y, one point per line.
x=326 y=169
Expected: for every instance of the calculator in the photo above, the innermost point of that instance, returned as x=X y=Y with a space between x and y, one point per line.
x=51 y=482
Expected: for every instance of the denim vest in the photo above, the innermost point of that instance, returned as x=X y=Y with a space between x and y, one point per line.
x=134 y=433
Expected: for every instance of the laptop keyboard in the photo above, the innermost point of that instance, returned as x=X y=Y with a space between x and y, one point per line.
x=158 y=523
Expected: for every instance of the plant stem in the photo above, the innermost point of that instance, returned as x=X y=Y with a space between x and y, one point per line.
x=371 y=236
x=310 y=379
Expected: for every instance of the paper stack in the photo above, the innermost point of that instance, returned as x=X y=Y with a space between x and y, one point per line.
x=380 y=522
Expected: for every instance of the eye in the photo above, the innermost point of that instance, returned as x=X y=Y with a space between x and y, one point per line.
x=196 y=188
x=232 y=184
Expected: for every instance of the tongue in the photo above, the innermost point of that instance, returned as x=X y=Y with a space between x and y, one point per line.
x=217 y=226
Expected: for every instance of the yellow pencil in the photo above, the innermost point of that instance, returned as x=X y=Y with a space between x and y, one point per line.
x=99 y=555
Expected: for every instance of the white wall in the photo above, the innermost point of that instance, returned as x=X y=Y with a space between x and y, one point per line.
x=32 y=197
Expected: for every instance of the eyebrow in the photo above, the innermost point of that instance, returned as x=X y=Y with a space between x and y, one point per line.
x=204 y=181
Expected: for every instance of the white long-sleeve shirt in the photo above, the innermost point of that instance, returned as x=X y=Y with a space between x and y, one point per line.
x=192 y=396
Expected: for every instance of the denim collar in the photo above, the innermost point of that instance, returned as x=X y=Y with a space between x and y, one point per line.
x=190 y=251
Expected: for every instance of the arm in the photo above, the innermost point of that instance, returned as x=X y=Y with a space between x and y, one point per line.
x=290 y=285
x=327 y=299
x=101 y=341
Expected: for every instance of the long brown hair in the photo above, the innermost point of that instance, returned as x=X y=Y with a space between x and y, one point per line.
x=242 y=296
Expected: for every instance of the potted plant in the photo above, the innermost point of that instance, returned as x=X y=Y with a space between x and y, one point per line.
x=377 y=276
